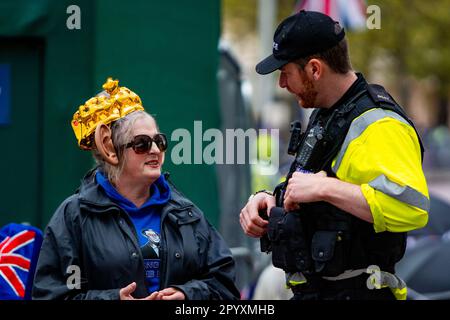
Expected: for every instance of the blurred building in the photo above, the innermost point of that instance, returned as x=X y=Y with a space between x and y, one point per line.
x=55 y=54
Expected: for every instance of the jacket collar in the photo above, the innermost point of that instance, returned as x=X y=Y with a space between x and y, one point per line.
x=91 y=195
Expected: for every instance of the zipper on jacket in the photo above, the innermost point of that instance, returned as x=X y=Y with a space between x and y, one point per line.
x=163 y=278
x=163 y=260
x=123 y=216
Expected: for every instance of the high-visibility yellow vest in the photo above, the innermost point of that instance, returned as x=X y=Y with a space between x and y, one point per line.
x=381 y=153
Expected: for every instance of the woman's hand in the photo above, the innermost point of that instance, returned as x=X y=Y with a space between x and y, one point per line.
x=125 y=293
x=167 y=294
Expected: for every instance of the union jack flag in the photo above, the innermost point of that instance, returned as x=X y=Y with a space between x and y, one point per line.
x=19 y=248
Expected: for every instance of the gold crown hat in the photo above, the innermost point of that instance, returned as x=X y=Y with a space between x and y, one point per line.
x=108 y=106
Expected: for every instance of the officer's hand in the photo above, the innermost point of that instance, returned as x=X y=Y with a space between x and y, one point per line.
x=252 y=224
x=302 y=188
x=168 y=294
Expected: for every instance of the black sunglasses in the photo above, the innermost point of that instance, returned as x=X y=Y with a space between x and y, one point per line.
x=143 y=143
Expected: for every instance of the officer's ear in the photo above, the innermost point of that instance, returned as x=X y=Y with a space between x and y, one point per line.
x=315 y=69
x=104 y=144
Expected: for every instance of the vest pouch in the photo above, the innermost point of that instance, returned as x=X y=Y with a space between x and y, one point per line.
x=289 y=248
x=328 y=253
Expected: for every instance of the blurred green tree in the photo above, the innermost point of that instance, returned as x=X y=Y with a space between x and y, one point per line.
x=241 y=16
x=413 y=39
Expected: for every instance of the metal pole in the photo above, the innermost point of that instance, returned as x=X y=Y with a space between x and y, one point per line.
x=266 y=24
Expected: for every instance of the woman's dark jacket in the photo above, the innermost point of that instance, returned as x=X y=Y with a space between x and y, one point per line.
x=89 y=233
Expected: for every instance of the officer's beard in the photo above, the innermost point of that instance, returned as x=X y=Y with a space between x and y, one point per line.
x=309 y=95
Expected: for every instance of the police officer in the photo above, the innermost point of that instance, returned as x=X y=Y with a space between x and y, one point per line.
x=343 y=225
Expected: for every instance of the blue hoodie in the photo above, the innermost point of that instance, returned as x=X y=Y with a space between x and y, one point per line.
x=147 y=222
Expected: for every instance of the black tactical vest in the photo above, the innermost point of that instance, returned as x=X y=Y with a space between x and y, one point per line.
x=321 y=239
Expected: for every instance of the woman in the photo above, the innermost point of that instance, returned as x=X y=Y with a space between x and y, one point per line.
x=128 y=233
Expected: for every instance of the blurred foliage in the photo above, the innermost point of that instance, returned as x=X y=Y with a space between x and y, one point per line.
x=241 y=15
x=413 y=35
x=412 y=42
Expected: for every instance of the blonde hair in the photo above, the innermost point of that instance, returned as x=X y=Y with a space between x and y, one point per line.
x=121 y=134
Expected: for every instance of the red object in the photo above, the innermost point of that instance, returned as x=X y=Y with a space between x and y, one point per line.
x=327 y=7
x=9 y=259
